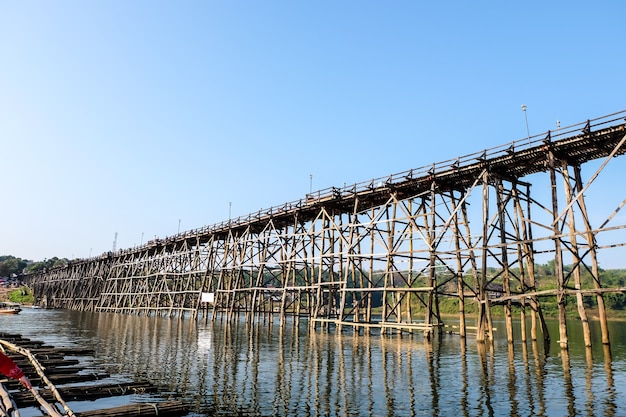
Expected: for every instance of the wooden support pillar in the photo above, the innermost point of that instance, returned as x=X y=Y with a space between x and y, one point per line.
x=483 y=307
x=471 y=254
x=432 y=278
x=558 y=257
x=461 y=290
x=504 y=260
x=343 y=275
x=523 y=248
x=410 y=279
x=573 y=244
x=530 y=269
x=595 y=269
x=460 y=282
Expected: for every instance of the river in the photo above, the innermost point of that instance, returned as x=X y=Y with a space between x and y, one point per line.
x=271 y=370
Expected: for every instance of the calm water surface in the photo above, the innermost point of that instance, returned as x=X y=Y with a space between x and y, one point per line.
x=269 y=370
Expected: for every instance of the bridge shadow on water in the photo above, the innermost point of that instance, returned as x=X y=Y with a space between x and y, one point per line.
x=263 y=369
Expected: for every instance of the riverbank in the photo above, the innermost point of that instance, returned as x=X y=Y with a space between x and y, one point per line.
x=19 y=294
x=4 y=293
x=572 y=313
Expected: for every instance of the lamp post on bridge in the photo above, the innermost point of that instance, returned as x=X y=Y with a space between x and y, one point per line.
x=526 y=120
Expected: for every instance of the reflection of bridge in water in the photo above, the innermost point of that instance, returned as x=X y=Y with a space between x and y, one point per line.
x=388 y=252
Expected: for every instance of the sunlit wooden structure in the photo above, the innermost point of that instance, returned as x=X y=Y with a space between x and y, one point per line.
x=385 y=253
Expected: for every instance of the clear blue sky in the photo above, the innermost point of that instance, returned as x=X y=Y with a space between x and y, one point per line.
x=133 y=116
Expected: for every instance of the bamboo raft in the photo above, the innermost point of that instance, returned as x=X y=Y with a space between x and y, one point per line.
x=46 y=366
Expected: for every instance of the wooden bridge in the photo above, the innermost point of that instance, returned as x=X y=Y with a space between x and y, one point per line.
x=387 y=253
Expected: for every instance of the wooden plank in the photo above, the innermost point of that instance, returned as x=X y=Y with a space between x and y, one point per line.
x=168 y=408
x=86 y=393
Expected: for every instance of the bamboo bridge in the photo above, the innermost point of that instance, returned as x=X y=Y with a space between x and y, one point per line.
x=386 y=253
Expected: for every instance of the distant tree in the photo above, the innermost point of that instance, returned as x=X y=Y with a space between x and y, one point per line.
x=35 y=267
x=46 y=264
x=615 y=301
x=10 y=265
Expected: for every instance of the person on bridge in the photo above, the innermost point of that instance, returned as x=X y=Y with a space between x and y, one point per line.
x=11 y=370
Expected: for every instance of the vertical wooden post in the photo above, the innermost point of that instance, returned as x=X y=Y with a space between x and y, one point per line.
x=522 y=243
x=391 y=267
x=471 y=255
x=558 y=257
x=370 y=278
x=460 y=282
x=506 y=285
x=530 y=267
x=432 y=279
x=595 y=270
x=574 y=250
x=524 y=257
x=356 y=265
x=316 y=294
x=483 y=307
x=411 y=225
x=343 y=273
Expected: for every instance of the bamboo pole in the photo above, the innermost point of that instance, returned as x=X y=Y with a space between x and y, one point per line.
x=409 y=312
x=370 y=278
x=577 y=261
x=519 y=231
x=53 y=412
x=595 y=269
x=504 y=259
x=558 y=257
x=525 y=260
x=459 y=266
x=170 y=408
x=430 y=220
x=483 y=307
x=7 y=406
x=40 y=371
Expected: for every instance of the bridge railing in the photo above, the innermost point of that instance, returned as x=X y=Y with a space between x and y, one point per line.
x=467 y=160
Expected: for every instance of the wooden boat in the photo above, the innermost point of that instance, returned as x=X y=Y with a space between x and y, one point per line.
x=9 y=308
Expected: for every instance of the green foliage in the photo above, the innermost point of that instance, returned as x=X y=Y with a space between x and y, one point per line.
x=46 y=264
x=614 y=278
x=451 y=306
x=21 y=295
x=545 y=279
x=10 y=265
x=615 y=301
